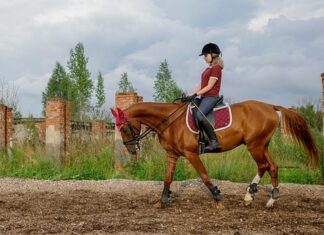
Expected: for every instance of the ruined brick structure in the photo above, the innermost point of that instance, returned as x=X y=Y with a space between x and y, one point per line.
x=322 y=75
x=20 y=133
x=6 y=126
x=123 y=101
x=58 y=128
x=98 y=129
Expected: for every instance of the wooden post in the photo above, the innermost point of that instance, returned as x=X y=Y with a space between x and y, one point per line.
x=123 y=101
x=58 y=129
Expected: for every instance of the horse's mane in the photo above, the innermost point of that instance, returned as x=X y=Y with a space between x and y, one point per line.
x=161 y=108
x=153 y=105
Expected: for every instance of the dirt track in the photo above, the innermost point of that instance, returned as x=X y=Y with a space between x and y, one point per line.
x=126 y=207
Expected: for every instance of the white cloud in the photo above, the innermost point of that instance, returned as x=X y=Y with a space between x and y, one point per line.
x=271 y=49
x=291 y=9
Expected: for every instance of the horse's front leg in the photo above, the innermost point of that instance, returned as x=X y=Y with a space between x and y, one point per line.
x=171 y=166
x=200 y=168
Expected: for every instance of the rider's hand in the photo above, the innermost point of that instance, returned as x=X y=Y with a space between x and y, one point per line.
x=190 y=98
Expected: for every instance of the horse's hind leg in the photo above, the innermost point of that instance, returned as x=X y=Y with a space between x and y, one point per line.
x=273 y=172
x=263 y=165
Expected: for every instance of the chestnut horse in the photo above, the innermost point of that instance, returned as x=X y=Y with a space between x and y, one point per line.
x=254 y=123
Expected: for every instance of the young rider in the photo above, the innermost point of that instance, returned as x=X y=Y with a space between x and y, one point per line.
x=208 y=89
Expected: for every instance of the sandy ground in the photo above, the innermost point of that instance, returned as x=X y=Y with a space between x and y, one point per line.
x=126 y=207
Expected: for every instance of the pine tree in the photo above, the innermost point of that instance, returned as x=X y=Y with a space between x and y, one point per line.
x=58 y=86
x=82 y=85
x=124 y=85
x=100 y=91
x=101 y=97
x=166 y=89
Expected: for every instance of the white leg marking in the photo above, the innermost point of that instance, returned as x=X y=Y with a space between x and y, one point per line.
x=270 y=203
x=248 y=195
x=256 y=179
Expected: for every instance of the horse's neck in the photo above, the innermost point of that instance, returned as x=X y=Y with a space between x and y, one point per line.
x=151 y=114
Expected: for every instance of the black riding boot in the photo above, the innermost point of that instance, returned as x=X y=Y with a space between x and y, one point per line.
x=214 y=145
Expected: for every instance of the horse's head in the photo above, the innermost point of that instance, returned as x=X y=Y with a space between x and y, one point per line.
x=129 y=129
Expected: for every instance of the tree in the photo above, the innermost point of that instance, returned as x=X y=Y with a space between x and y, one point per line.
x=311 y=114
x=58 y=86
x=9 y=97
x=82 y=85
x=166 y=89
x=124 y=85
x=101 y=97
x=100 y=92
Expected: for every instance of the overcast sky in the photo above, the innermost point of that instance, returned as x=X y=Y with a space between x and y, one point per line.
x=273 y=50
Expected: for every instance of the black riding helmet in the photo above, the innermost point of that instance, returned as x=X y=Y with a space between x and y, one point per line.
x=210 y=48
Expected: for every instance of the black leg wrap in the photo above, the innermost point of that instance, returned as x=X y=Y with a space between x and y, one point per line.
x=216 y=193
x=165 y=195
x=275 y=193
x=253 y=188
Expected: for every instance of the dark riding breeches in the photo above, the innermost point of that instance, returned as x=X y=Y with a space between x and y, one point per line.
x=206 y=105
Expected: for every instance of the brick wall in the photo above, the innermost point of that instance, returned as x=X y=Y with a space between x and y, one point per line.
x=6 y=126
x=322 y=75
x=21 y=126
x=41 y=129
x=98 y=129
x=123 y=101
x=58 y=128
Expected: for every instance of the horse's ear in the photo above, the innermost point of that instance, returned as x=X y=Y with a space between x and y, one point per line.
x=121 y=113
x=114 y=113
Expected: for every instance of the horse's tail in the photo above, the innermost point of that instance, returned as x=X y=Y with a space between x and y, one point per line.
x=295 y=125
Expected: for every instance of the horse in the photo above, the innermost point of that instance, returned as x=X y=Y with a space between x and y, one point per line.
x=253 y=124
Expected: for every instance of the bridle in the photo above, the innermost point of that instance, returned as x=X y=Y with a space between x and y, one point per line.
x=126 y=125
x=136 y=137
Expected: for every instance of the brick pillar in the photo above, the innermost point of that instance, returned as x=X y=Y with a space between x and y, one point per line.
x=6 y=126
x=98 y=129
x=123 y=101
x=58 y=129
x=322 y=75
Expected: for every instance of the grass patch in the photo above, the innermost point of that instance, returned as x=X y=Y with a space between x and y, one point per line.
x=95 y=160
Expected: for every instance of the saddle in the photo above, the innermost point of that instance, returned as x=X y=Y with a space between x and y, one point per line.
x=220 y=118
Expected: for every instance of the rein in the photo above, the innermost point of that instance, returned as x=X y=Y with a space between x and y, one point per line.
x=137 y=138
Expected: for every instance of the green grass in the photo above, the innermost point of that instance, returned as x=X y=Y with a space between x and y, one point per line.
x=95 y=160
x=83 y=165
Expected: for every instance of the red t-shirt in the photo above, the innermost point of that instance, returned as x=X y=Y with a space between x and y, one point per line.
x=212 y=71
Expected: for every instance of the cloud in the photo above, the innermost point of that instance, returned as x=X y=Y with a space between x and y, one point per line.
x=291 y=9
x=30 y=90
x=283 y=61
x=272 y=50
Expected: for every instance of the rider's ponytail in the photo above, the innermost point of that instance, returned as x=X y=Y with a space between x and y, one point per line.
x=217 y=60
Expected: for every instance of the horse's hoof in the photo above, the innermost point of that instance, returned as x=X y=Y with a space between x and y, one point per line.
x=219 y=206
x=160 y=205
x=248 y=202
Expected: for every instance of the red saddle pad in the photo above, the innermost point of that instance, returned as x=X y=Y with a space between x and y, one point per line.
x=221 y=118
